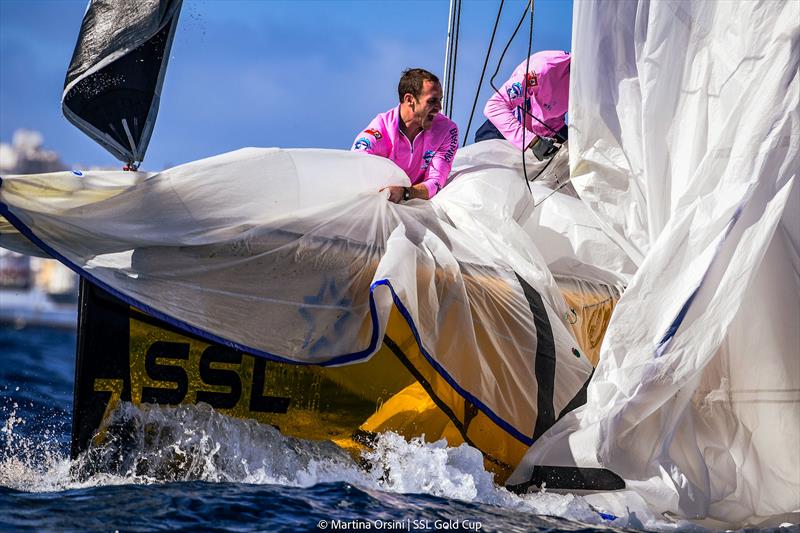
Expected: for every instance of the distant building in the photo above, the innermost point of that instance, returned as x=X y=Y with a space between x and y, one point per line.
x=26 y=155
x=36 y=292
x=15 y=271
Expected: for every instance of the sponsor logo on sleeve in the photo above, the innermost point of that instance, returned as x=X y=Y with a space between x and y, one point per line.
x=451 y=151
x=514 y=90
x=374 y=133
x=362 y=144
x=533 y=81
x=427 y=158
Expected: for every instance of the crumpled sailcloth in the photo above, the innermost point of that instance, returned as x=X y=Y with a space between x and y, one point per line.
x=294 y=255
x=685 y=139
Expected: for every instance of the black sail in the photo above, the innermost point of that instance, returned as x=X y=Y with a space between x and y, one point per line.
x=113 y=85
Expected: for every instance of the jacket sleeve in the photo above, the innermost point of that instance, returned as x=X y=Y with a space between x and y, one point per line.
x=442 y=162
x=504 y=110
x=373 y=139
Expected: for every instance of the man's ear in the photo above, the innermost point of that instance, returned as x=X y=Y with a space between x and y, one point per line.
x=408 y=98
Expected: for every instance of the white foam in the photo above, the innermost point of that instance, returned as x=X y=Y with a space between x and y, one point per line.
x=157 y=444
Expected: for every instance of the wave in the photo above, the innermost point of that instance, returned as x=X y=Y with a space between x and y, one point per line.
x=188 y=443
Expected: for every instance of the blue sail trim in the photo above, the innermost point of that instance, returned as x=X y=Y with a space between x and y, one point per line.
x=507 y=427
x=663 y=344
x=346 y=358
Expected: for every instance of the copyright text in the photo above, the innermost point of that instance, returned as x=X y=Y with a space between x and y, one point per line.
x=400 y=525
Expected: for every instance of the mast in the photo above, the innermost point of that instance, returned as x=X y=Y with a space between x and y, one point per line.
x=448 y=45
x=450 y=56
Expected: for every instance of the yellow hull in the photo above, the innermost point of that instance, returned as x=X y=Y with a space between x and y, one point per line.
x=397 y=389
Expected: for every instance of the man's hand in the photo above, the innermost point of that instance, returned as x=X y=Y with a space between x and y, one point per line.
x=544 y=147
x=395 y=193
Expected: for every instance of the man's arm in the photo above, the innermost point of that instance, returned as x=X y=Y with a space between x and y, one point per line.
x=504 y=109
x=372 y=140
x=441 y=163
x=437 y=174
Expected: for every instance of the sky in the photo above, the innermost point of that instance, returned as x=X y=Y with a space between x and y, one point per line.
x=300 y=73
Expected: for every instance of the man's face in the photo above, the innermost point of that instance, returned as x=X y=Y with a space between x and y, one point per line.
x=428 y=105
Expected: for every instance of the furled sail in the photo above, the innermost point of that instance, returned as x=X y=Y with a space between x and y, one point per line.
x=113 y=84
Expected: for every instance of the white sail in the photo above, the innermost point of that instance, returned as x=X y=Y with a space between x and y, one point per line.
x=684 y=140
x=294 y=255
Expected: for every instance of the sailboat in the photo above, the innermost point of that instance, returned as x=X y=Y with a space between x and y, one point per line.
x=602 y=342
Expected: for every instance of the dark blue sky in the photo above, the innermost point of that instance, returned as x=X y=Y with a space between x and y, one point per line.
x=265 y=73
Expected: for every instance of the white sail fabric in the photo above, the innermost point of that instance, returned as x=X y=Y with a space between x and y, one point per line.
x=295 y=255
x=572 y=240
x=569 y=236
x=685 y=140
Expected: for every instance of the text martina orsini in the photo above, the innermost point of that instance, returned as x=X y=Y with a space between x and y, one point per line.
x=400 y=525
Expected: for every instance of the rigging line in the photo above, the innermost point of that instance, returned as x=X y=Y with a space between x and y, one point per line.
x=508 y=44
x=551 y=194
x=597 y=304
x=448 y=83
x=526 y=104
x=499 y=64
x=544 y=168
x=497 y=70
x=448 y=61
x=555 y=132
x=483 y=72
x=525 y=108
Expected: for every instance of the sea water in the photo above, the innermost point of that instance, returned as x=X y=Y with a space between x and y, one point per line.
x=191 y=468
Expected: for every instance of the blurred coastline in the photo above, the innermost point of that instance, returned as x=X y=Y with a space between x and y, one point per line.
x=34 y=291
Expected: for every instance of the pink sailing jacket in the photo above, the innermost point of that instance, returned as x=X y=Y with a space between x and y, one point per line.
x=548 y=96
x=427 y=160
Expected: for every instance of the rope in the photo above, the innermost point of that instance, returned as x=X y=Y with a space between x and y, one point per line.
x=551 y=194
x=529 y=5
x=499 y=64
x=572 y=316
x=525 y=104
x=502 y=55
x=598 y=304
x=483 y=72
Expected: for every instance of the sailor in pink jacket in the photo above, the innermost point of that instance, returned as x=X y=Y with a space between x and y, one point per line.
x=415 y=135
x=539 y=113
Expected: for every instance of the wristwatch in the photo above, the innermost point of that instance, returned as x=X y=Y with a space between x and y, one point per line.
x=406 y=194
